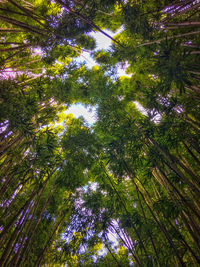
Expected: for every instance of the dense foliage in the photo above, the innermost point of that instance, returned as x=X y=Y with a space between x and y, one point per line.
x=126 y=190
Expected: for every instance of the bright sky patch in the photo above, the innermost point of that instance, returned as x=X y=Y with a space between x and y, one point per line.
x=80 y=110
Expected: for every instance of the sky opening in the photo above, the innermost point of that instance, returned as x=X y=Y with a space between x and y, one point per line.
x=87 y=112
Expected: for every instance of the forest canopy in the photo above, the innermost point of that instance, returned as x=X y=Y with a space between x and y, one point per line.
x=124 y=191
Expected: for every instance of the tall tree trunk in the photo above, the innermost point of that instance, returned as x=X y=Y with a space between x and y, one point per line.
x=124 y=205
x=151 y=238
x=16 y=232
x=40 y=258
x=15 y=217
x=16 y=258
x=155 y=217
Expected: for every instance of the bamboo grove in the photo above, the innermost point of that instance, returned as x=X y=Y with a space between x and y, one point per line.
x=124 y=191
